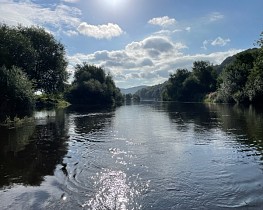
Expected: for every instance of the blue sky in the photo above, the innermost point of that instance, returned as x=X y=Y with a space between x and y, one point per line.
x=141 y=42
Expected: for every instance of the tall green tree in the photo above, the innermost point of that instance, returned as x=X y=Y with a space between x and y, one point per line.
x=174 y=88
x=50 y=72
x=234 y=80
x=205 y=75
x=191 y=86
x=37 y=53
x=254 y=87
x=92 y=86
x=16 y=49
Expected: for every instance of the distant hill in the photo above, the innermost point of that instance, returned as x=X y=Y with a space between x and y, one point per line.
x=152 y=93
x=132 y=90
x=219 y=68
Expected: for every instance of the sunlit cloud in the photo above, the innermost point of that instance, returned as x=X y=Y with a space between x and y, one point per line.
x=107 y=31
x=149 y=61
x=162 y=21
x=220 y=41
x=71 y=1
x=28 y=13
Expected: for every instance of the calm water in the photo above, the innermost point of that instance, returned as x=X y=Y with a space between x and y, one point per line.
x=145 y=156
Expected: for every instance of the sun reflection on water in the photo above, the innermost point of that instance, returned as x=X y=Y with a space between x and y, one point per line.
x=115 y=190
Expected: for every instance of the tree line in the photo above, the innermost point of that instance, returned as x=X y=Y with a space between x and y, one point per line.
x=32 y=60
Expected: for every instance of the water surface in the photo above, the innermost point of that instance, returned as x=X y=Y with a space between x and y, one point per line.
x=151 y=155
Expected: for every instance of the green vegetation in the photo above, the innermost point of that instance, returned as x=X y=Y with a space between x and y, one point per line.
x=16 y=121
x=92 y=86
x=128 y=98
x=16 y=90
x=51 y=101
x=152 y=93
x=32 y=60
x=191 y=86
x=235 y=78
x=37 y=53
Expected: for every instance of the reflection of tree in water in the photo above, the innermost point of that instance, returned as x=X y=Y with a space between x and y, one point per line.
x=245 y=123
x=29 y=153
x=198 y=114
x=92 y=120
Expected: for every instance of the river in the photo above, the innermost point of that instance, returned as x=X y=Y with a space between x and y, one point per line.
x=151 y=155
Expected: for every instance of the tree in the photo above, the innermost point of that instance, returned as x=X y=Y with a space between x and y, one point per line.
x=92 y=86
x=236 y=80
x=37 y=53
x=16 y=49
x=205 y=75
x=50 y=70
x=174 y=88
x=254 y=86
x=16 y=90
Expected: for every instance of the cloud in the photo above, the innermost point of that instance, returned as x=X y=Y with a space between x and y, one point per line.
x=107 y=31
x=219 y=41
x=149 y=61
x=28 y=13
x=164 y=21
x=71 y=1
x=188 y=29
x=71 y=33
x=59 y=18
x=215 y=16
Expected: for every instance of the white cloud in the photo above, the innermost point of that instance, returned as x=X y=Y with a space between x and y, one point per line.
x=100 y=31
x=61 y=18
x=71 y=1
x=149 y=61
x=162 y=21
x=71 y=33
x=188 y=29
x=220 y=41
x=215 y=16
x=28 y=13
x=205 y=43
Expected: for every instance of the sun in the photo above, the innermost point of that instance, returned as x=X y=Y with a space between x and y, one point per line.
x=115 y=4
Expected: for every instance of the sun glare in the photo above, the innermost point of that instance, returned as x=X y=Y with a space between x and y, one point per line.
x=115 y=4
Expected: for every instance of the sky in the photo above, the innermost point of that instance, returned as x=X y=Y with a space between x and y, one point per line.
x=142 y=42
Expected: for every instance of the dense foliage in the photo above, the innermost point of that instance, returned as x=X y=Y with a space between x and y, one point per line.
x=191 y=86
x=152 y=93
x=92 y=86
x=236 y=82
x=37 y=53
x=16 y=90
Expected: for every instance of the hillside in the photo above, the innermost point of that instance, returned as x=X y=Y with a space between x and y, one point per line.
x=219 y=68
x=132 y=90
x=152 y=92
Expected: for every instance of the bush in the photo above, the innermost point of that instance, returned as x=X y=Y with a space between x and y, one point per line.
x=16 y=90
